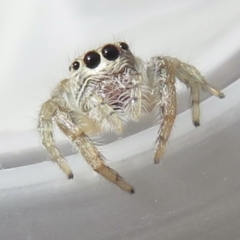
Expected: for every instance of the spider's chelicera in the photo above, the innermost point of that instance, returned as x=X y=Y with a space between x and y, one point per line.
x=107 y=88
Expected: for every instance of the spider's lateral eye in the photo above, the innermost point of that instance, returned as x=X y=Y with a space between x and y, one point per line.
x=92 y=59
x=124 y=46
x=110 y=52
x=75 y=66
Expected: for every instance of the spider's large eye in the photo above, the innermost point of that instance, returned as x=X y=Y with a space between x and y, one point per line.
x=75 y=66
x=124 y=46
x=110 y=52
x=92 y=59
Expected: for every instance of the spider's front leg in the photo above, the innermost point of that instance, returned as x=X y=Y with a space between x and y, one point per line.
x=87 y=148
x=45 y=128
x=163 y=71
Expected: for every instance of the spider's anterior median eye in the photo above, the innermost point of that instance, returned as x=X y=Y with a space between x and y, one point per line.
x=92 y=59
x=75 y=65
x=110 y=52
x=124 y=46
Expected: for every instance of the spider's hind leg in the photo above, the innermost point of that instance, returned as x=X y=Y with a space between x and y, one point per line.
x=162 y=71
x=193 y=79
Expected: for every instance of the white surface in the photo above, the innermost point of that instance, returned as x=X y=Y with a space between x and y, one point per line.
x=194 y=192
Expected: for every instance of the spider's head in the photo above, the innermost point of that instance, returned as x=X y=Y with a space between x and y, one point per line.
x=106 y=59
x=109 y=73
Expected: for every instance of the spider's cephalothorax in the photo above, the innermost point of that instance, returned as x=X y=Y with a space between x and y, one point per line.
x=106 y=89
x=109 y=77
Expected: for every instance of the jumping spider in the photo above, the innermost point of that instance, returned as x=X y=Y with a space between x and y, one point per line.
x=107 y=88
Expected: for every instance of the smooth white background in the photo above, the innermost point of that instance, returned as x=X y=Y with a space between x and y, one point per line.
x=39 y=39
x=192 y=194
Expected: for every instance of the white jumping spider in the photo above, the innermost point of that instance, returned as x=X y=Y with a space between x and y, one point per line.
x=107 y=88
